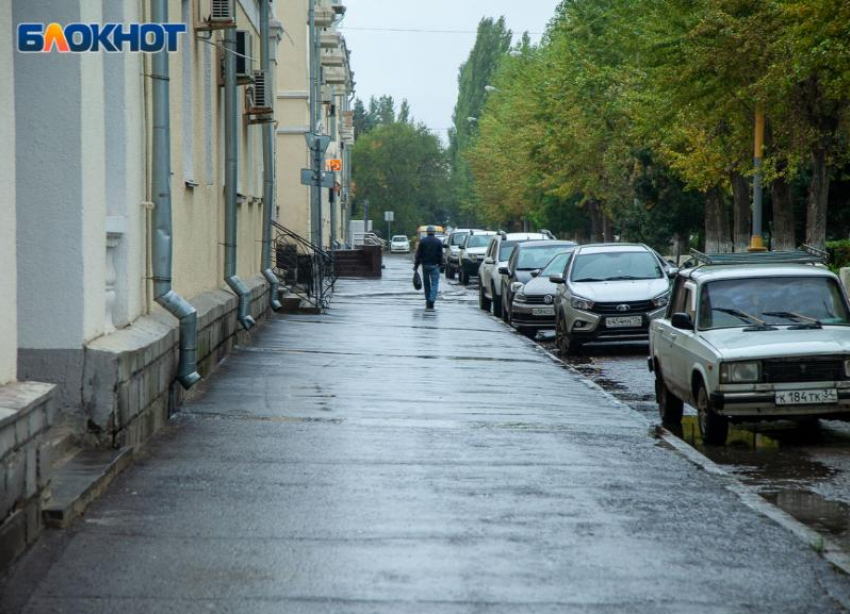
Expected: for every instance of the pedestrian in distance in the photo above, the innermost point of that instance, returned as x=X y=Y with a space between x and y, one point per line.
x=429 y=254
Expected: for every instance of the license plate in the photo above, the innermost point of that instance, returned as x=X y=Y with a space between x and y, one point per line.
x=624 y=322
x=543 y=311
x=807 y=397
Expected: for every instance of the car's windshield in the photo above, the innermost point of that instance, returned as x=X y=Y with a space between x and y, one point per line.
x=458 y=238
x=506 y=249
x=537 y=257
x=399 y=239
x=557 y=265
x=616 y=266
x=478 y=241
x=775 y=301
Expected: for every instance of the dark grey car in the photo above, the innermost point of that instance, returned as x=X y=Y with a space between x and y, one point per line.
x=526 y=260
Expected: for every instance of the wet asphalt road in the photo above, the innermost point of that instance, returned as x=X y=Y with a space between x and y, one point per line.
x=380 y=458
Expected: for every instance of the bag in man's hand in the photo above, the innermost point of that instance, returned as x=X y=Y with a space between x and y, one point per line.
x=417 y=280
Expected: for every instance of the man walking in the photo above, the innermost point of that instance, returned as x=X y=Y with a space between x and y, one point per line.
x=430 y=255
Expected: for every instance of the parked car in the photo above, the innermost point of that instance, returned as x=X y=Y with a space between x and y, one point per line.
x=400 y=244
x=452 y=246
x=532 y=308
x=746 y=339
x=528 y=257
x=498 y=252
x=471 y=253
x=609 y=292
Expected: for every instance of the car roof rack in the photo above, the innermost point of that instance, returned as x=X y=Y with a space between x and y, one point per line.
x=805 y=255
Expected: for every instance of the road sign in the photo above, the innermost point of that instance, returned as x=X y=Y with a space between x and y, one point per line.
x=308 y=178
x=389 y=216
x=322 y=141
x=334 y=165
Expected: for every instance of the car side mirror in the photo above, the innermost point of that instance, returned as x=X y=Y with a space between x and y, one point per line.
x=557 y=279
x=535 y=273
x=488 y=261
x=682 y=321
x=503 y=270
x=672 y=271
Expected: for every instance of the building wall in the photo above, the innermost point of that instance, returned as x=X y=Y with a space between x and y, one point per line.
x=8 y=271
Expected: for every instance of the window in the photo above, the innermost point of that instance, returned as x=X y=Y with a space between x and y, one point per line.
x=477 y=241
x=777 y=301
x=616 y=266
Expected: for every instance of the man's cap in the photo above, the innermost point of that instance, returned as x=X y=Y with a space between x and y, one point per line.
x=431 y=230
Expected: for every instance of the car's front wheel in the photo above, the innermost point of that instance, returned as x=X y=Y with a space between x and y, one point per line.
x=565 y=345
x=450 y=272
x=713 y=427
x=670 y=407
x=497 y=302
x=483 y=301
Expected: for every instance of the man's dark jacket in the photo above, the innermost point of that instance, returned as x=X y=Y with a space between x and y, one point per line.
x=429 y=252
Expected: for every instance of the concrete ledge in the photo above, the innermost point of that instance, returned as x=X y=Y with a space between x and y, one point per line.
x=26 y=413
x=80 y=481
x=129 y=385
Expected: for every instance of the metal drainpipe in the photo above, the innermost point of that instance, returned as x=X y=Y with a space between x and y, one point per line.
x=269 y=188
x=162 y=239
x=231 y=172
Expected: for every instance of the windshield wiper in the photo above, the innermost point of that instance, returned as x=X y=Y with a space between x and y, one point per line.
x=578 y=281
x=811 y=323
x=742 y=315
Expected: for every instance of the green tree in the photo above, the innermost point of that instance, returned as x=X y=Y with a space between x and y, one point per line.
x=401 y=167
x=492 y=43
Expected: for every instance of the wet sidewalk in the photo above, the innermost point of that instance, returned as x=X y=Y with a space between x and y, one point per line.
x=381 y=458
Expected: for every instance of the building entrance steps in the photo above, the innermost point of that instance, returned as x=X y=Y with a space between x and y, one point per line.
x=384 y=458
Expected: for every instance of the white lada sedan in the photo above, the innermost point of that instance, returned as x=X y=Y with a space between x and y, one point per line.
x=753 y=341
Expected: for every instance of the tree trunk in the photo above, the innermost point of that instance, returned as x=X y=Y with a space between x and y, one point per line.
x=742 y=212
x=717 y=235
x=594 y=210
x=607 y=227
x=784 y=234
x=816 y=205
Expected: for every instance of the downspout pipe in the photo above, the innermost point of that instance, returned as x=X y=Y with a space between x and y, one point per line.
x=231 y=173
x=162 y=236
x=269 y=188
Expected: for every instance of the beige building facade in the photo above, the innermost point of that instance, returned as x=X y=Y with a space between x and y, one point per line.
x=336 y=86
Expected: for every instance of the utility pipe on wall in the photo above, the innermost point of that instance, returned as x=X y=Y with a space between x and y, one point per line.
x=269 y=188
x=162 y=238
x=231 y=173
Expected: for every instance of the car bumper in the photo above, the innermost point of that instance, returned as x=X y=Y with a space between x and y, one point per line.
x=586 y=327
x=539 y=316
x=762 y=403
x=400 y=250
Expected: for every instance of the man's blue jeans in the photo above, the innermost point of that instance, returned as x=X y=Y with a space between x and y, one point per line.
x=431 y=281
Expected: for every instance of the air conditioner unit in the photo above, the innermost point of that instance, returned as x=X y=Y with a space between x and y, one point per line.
x=244 y=51
x=263 y=102
x=223 y=12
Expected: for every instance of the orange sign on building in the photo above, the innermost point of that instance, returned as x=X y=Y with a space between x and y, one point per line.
x=335 y=165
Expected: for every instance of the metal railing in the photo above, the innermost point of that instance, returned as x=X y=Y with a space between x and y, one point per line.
x=307 y=270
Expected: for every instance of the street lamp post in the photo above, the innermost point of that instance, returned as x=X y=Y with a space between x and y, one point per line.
x=757 y=241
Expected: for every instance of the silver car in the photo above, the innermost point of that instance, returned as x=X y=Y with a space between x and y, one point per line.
x=609 y=292
x=533 y=307
x=498 y=253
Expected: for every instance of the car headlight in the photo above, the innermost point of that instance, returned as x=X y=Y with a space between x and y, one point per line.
x=516 y=287
x=662 y=300
x=520 y=298
x=740 y=372
x=584 y=304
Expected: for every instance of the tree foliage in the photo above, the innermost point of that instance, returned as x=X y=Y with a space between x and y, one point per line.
x=635 y=118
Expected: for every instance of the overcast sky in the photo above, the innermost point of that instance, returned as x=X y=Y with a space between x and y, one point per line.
x=423 y=66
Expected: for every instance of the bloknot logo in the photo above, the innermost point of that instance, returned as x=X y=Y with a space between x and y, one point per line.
x=109 y=37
